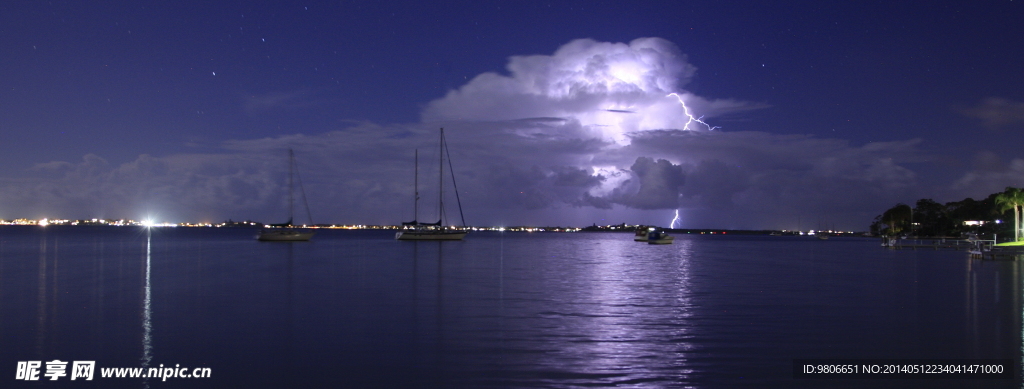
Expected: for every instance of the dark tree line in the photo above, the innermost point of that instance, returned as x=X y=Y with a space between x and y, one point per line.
x=929 y=218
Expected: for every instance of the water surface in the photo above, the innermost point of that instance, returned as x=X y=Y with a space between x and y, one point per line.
x=554 y=310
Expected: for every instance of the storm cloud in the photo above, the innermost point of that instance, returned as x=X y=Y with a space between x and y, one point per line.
x=653 y=145
x=596 y=128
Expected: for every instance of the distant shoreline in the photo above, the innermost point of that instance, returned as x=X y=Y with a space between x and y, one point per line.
x=255 y=225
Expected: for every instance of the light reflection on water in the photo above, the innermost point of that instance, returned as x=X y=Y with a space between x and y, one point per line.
x=147 y=311
x=593 y=311
x=496 y=310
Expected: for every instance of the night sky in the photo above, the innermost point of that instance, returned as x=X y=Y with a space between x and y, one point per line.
x=815 y=114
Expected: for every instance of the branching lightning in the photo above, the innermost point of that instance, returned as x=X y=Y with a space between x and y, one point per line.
x=672 y=224
x=692 y=119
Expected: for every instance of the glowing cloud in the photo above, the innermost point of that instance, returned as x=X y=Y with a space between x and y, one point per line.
x=611 y=89
x=620 y=112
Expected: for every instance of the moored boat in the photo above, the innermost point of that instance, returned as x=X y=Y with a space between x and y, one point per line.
x=429 y=234
x=287 y=232
x=659 y=237
x=415 y=230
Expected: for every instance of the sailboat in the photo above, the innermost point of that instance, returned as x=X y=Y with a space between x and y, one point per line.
x=415 y=230
x=286 y=232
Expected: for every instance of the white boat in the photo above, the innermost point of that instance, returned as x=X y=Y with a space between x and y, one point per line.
x=286 y=232
x=415 y=230
x=659 y=237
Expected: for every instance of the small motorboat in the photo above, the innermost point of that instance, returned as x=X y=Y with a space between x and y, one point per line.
x=659 y=237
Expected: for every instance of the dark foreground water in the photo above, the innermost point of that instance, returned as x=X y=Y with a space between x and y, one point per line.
x=359 y=309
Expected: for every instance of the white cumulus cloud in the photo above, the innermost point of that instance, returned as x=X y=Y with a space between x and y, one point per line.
x=610 y=89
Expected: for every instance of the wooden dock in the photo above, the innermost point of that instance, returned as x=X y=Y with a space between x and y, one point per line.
x=930 y=244
x=988 y=251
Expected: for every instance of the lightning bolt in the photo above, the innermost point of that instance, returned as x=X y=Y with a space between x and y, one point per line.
x=692 y=119
x=672 y=224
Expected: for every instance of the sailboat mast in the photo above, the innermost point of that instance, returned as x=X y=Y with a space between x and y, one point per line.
x=440 y=177
x=416 y=190
x=451 y=170
x=291 y=185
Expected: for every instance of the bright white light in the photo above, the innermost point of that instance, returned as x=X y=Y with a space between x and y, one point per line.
x=624 y=74
x=613 y=178
x=147 y=223
x=44 y=222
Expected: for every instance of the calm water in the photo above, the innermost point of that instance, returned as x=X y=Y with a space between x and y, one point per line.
x=359 y=309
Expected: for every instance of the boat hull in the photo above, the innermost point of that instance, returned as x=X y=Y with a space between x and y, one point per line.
x=659 y=237
x=284 y=236
x=430 y=235
x=667 y=240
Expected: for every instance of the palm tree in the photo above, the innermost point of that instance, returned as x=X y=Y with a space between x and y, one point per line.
x=1012 y=198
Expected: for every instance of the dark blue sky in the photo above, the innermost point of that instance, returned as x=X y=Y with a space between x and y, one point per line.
x=89 y=87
